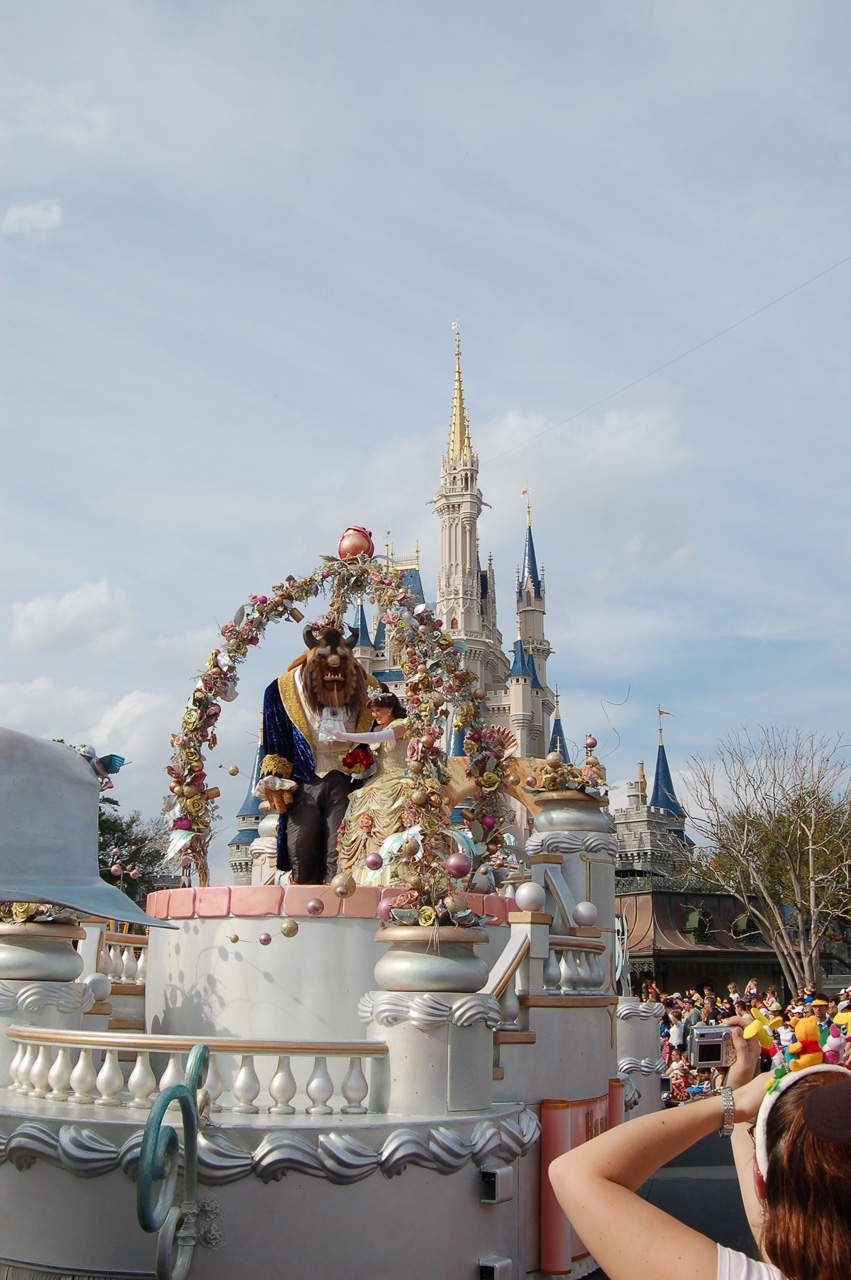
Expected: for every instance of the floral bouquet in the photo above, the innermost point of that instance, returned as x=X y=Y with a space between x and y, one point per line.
x=358 y=760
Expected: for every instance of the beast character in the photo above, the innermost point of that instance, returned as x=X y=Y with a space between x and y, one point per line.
x=300 y=774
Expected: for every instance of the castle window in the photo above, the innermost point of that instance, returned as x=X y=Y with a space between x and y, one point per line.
x=528 y=599
x=453 y=626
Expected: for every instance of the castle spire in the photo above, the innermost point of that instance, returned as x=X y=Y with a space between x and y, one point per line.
x=529 y=575
x=664 y=796
x=558 y=742
x=459 y=426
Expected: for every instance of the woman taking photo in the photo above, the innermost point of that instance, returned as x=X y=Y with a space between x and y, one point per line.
x=794 y=1175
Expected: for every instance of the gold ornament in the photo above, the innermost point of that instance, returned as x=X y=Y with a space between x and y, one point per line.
x=289 y=928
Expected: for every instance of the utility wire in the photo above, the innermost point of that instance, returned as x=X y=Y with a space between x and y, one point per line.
x=667 y=364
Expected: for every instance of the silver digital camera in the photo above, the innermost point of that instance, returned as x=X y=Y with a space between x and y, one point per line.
x=711 y=1047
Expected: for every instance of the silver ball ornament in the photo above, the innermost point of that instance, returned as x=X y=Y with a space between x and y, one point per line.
x=585 y=914
x=530 y=896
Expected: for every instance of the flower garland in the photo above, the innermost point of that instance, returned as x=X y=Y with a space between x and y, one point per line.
x=191 y=804
x=431 y=862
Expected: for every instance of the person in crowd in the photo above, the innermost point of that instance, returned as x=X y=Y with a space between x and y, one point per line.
x=711 y=1016
x=751 y=989
x=733 y=991
x=691 y=1015
x=676 y=1030
x=772 y=1002
x=794 y=1176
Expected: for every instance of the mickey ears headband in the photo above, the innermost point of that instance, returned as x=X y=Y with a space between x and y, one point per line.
x=827 y=1114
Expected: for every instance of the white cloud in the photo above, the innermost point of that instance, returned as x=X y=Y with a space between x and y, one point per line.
x=94 y=616
x=64 y=115
x=31 y=220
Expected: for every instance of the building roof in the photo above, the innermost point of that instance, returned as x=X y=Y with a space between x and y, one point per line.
x=519 y=666
x=529 y=572
x=460 y=448
x=363 y=639
x=455 y=745
x=664 y=796
x=558 y=742
x=658 y=921
x=533 y=672
x=413 y=584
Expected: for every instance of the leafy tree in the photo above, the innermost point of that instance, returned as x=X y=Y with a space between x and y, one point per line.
x=773 y=813
x=141 y=842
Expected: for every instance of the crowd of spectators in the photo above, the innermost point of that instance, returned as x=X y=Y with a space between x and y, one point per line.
x=706 y=1008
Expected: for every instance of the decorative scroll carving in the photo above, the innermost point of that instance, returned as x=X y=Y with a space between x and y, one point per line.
x=427 y=1011
x=67 y=997
x=565 y=843
x=647 y=1066
x=652 y=1010
x=339 y=1157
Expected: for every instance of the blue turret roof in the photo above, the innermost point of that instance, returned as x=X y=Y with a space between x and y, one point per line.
x=519 y=666
x=530 y=565
x=533 y=672
x=664 y=796
x=455 y=745
x=380 y=636
x=558 y=742
x=363 y=629
x=251 y=805
x=413 y=584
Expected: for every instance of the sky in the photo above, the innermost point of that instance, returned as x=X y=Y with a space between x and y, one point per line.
x=234 y=239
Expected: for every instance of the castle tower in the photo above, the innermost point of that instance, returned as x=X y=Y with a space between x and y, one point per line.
x=247 y=821
x=651 y=837
x=458 y=503
x=531 y=605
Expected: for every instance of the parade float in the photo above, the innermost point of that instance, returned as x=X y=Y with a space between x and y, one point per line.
x=336 y=1078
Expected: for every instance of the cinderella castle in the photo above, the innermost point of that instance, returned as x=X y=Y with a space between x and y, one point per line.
x=518 y=696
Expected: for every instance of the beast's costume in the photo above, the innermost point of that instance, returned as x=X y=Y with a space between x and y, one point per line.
x=307 y=832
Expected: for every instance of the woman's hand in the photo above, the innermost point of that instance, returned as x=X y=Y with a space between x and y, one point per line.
x=747 y=1055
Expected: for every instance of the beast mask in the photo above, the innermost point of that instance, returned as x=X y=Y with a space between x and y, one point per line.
x=331 y=676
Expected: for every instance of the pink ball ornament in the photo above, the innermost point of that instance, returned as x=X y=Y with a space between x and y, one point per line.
x=182 y=824
x=116 y=869
x=264 y=939
x=315 y=907
x=590 y=742
x=488 y=821
x=354 y=542
x=374 y=861
x=458 y=865
x=531 y=781
x=263 y=600
x=385 y=906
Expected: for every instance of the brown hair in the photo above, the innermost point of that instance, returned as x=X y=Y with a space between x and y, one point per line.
x=806 y=1230
x=384 y=698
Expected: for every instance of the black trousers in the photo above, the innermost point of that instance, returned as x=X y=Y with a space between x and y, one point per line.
x=308 y=844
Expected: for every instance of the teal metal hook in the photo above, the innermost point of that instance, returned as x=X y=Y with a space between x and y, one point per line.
x=159 y=1161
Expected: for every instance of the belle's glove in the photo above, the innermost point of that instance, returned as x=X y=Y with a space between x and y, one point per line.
x=378 y=735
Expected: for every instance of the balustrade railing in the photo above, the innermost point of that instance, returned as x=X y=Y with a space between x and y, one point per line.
x=105 y=1069
x=574 y=966
x=119 y=960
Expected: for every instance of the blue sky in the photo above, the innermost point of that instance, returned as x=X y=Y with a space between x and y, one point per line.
x=234 y=239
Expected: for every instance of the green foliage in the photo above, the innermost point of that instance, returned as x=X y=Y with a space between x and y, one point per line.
x=141 y=841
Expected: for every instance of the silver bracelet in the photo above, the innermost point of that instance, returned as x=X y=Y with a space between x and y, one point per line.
x=726 y=1095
